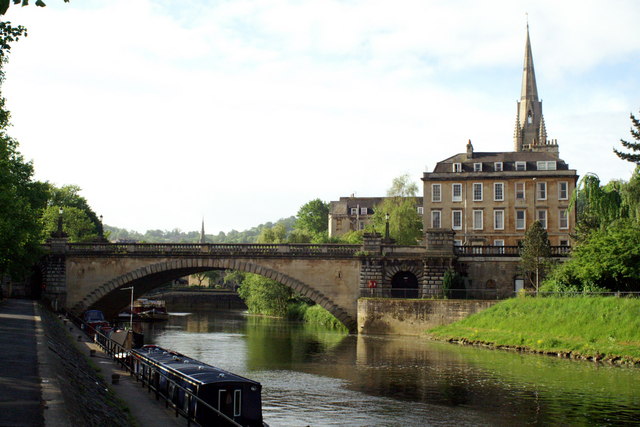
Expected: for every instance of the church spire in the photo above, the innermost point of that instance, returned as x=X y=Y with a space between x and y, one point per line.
x=530 y=133
x=202 y=236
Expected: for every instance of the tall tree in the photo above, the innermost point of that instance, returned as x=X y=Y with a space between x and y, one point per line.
x=633 y=157
x=21 y=197
x=76 y=224
x=536 y=254
x=68 y=196
x=313 y=217
x=405 y=224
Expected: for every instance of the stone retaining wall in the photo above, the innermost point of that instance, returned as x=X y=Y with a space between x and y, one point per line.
x=412 y=317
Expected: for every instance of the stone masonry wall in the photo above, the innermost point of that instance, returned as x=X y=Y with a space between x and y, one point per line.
x=412 y=317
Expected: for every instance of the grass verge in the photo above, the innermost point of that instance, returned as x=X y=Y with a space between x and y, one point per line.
x=598 y=328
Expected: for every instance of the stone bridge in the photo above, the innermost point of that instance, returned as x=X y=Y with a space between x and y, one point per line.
x=79 y=276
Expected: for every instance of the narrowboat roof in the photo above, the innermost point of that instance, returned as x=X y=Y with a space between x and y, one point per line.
x=195 y=370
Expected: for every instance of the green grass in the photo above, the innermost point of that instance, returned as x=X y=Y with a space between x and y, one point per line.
x=600 y=327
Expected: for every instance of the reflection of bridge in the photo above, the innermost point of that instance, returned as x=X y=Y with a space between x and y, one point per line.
x=79 y=276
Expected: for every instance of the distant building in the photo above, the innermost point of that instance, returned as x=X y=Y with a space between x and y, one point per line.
x=491 y=198
x=355 y=213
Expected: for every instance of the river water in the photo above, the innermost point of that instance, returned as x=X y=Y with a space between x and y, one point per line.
x=317 y=377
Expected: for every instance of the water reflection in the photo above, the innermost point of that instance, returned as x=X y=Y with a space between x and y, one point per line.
x=312 y=376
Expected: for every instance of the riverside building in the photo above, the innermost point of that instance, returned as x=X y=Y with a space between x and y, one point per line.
x=491 y=198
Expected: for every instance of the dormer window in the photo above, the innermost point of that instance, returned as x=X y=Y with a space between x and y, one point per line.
x=477 y=167
x=529 y=118
x=546 y=166
x=363 y=211
x=457 y=167
x=497 y=166
x=521 y=166
x=354 y=211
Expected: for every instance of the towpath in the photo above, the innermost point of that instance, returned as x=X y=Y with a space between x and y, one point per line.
x=32 y=375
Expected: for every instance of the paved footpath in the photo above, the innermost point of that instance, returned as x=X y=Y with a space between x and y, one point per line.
x=20 y=392
x=29 y=390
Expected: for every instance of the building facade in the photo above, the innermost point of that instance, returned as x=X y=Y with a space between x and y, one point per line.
x=491 y=198
x=355 y=213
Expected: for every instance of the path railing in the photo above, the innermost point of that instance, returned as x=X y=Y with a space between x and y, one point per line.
x=150 y=378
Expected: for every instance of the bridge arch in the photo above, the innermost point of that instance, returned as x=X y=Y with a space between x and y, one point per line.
x=109 y=298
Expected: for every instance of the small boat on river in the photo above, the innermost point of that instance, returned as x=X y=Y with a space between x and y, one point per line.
x=147 y=310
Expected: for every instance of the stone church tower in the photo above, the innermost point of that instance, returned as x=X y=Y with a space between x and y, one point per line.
x=530 y=133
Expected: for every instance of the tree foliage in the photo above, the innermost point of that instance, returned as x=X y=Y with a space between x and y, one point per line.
x=402 y=186
x=264 y=296
x=405 y=224
x=313 y=217
x=21 y=197
x=535 y=257
x=21 y=201
x=609 y=258
x=634 y=155
x=75 y=223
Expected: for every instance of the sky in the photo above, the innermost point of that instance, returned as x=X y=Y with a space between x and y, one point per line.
x=238 y=112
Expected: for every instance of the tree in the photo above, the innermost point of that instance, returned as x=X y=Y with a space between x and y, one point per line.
x=75 y=222
x=608 y=260
x=21 y=198
x=21 y=201
x=264 y=296
x=313 y=217
x=68 y=196
x=536 y=254
x=275 y=234
x=405 y=224
x=633 y=146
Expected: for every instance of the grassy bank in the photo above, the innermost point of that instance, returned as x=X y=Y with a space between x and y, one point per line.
x=588 y=327
x=314 y=314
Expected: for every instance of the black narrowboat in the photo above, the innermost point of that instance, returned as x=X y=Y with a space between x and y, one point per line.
x=236 y=397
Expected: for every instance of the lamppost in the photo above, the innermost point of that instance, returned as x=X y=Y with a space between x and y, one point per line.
x=59 y=232
x=130 y=307
x=101 y=230
x=386 y=227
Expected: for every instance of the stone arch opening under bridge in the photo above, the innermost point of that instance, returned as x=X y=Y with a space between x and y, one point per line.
x=110 y=297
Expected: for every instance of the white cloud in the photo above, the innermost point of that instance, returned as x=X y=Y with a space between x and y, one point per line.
x=241 y=111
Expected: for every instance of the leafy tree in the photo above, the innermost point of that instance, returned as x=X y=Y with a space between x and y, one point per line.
x=300 y=236
x=21 y=201
x=536 y=254
x=313 y=217
x=264 y=296
x=75 y=222
x=275 y=234
x=21 y=198
x=402 y=186
x=609 y=258
x=633 y=157
x=68 y=196
x=405 y=224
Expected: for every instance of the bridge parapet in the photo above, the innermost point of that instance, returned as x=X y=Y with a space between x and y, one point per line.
x=199 y=249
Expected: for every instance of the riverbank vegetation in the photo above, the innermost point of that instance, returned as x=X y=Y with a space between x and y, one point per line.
x=600 y=328
x=267 y=297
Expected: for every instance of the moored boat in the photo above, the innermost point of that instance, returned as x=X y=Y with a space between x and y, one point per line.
x=147 y=310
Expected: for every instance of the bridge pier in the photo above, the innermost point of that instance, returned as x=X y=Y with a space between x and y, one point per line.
x=54 y=274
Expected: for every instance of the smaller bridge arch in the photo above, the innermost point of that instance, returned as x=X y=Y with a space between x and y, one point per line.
x=110 y=298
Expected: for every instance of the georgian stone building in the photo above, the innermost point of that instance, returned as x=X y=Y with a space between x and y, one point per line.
x=491 y=198
x=355 y=213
